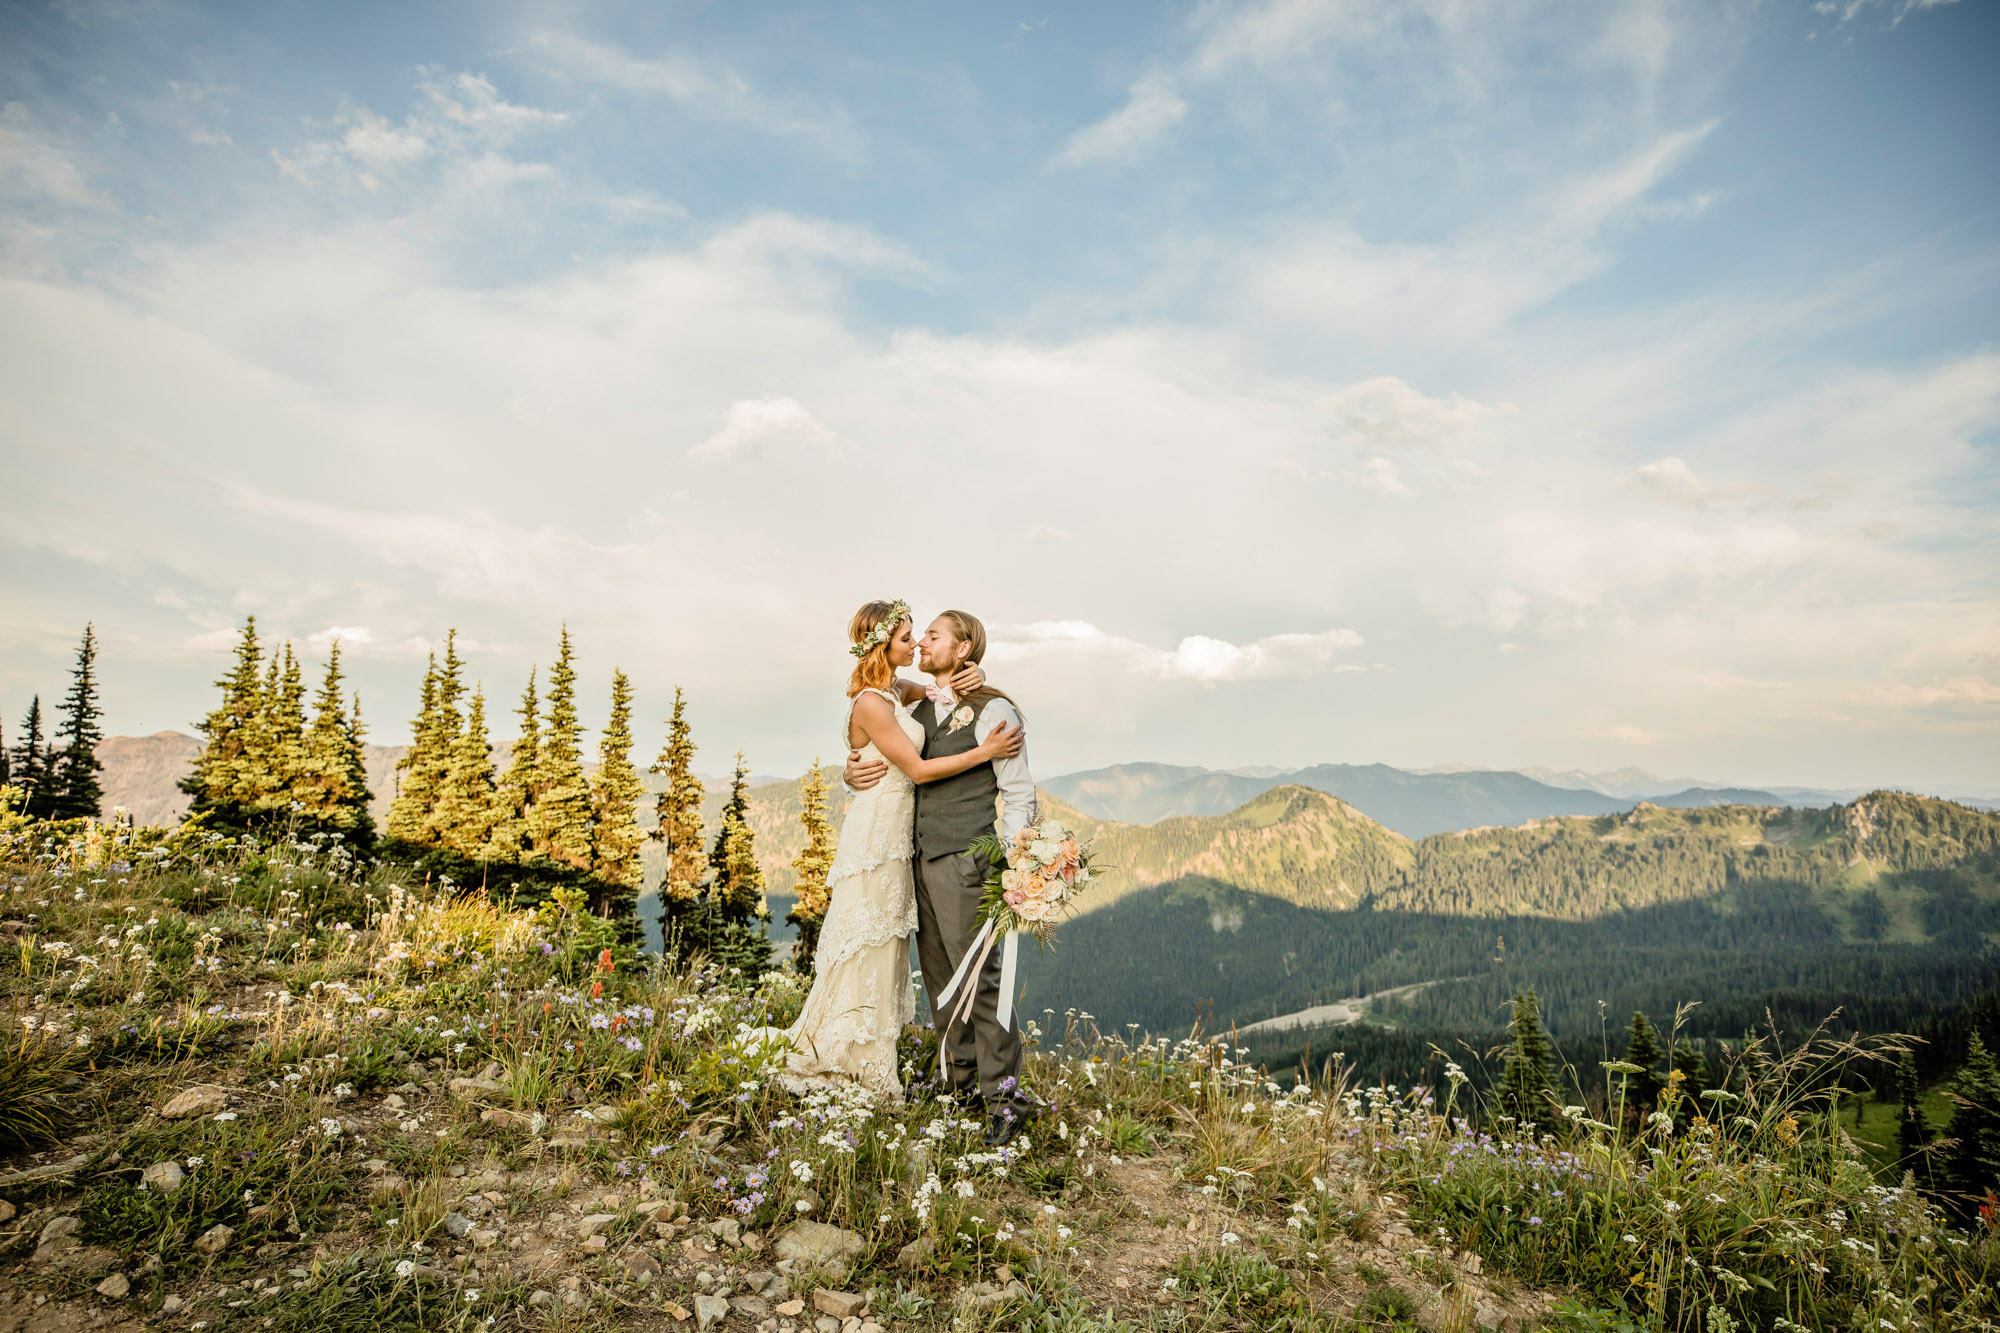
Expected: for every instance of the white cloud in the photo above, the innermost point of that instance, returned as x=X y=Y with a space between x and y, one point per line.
x=1197 y=657
x=753 y=423
x=348 y=636
x=1151 y=107
x=1846 y=11
x=457 y=116
x=1626 y=734
x=32 y=165
x=1388 y=413
x=1672 y=480
x=1046 y=532
x=1379 y=474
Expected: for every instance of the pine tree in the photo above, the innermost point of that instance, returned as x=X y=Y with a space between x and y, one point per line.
x=559 y=825
x=332 y=786
x=1913 y=1127
x=468 y=805
x=1692 y=1066
x=810 y=867
x=615 y=796
x=739 y=885
x=1642 y=1048
x=1972 y=1163
x=514 y=802
x=75 y=790
x=6 y=761
x=31 y=764
x=448 y=729
x=679 y=810
x=226 y=733
x=357 y=775
x=736 y=810
x=1529 y=1079
x=284 y=775
x=416 y=790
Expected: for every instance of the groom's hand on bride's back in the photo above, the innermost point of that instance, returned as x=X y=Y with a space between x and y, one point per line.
x=861 y=774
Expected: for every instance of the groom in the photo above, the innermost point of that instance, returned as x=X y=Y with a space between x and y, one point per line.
x=979 y=1056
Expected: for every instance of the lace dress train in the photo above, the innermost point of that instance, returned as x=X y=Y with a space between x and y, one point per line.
x=861 y=997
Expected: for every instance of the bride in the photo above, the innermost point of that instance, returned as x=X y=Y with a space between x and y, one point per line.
x=860 y=996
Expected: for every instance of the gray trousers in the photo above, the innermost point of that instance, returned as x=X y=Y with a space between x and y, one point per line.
x=977 y=1050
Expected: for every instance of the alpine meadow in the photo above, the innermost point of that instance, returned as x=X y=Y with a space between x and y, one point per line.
x=1172 y=666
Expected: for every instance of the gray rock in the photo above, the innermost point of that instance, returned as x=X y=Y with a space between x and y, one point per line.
x=812 y=1244
x=171 y=1305
x=458 y=1224
x=709 y=1310
x=726 y=1229
x=595 y=1223
x=826 y=1324
x=6 y=1211
x=60 y=1228
x=117 y=1287
x=166 y=1177
x=201 y=1099
x=754 y=1306
x=641 y=1267
x=542 y=1299
x=471 y=1087
x=918 y=1252
x=839 y=1304
x=216 y=1239
x=764 y=1283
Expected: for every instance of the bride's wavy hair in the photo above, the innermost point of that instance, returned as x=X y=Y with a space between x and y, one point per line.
x=968 y=629
x=871 y=670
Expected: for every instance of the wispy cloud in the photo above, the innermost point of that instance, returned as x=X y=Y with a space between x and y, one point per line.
x=1198 y=657
x=1150 y=108
x=456 y=115
x=752 y=425
x=33 y=165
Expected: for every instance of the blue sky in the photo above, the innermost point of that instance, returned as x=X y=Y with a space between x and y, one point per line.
x=1577 y=384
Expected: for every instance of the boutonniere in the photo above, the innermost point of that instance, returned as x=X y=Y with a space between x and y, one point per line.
x=962 y=718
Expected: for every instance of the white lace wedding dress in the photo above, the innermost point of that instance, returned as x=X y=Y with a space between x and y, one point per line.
x=861 y=997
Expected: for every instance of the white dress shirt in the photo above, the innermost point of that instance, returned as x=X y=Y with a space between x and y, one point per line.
x=1017 y=787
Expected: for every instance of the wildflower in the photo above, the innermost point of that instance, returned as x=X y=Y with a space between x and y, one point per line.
x=802 y=1170
x=224 y=1116
x=405 y=1267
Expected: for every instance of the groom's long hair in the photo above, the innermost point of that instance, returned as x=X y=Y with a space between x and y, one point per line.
x=871 y=670
x=967 y=628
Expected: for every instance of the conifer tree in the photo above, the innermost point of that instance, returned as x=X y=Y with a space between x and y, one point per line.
x=739 y=885
x=416 y=790
x=31 y=764
x=332 y=786
x=1972 y=1163
x=616 y=793
x=1913 y=1126
x=735 y=810
x=514 y=801
x=468 y=806
x=1642 y=1048
x=218 y=771
x=357 y=772
x=75 y=789
x=1529 y=1079
x=810 y=867
x=447 y=729
x=559 y=825
x=6 y=761
x=679 y=810
x=284 y=738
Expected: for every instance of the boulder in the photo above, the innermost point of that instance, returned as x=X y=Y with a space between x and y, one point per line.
x=201 y=1099
x=709 y=1310
x=812 y=1244
x=165 y=1177
x=839 y=1304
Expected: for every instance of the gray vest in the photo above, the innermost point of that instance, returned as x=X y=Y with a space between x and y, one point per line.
x=952 y=811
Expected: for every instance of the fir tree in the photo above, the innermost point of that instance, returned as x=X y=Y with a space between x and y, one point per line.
x=514 y=802
x=739 y=885
x=1692 y=1066
x=31 y=764
x=1642 y=1048
x=447 y=729
x=75 y=791
x=332 y=786
x=810 y=867
x=679 y=810
x=736 y=810
x=416 y=789
x=615 y=796
x=559 y=825
x=1529 y=1079
x=1972 y=1163
x=1913 y=1127
x=284 y=773
x=226 y=733
x=357 y=773
x=6 y=761
x=468 y=805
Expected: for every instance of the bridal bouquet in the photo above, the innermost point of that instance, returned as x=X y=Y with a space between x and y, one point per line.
x=1033 y=884
x=1035 y=879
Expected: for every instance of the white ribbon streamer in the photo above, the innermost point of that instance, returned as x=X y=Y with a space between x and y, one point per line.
x=965 y=964
x=1010 y=959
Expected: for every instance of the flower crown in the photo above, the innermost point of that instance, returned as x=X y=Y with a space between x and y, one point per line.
x=899 y=611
